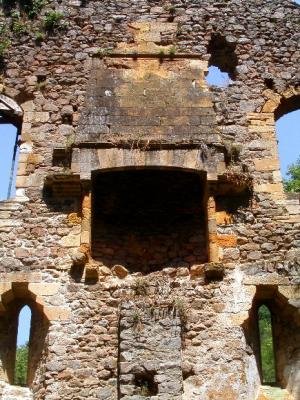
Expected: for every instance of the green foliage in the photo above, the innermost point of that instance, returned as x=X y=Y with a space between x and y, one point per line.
x=293 y=183
x=4 y=45
x=18 y=28
x=101 y=53
x=29 y=8
x=172 y=52
x=39 y=37
x=21 y=366
x=266 y=345
x=53 y=20
x=161 y=55
x=35 y=7
x=172 y=10
x=137 y=319
x=15 y=14
x=141 y=287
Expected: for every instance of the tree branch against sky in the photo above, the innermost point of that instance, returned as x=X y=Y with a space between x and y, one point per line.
x=292 y=184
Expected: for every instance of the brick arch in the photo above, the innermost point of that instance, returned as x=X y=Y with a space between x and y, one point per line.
x=287 y=105
x=282 y=103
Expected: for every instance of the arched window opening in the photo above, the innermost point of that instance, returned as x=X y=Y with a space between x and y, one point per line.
x=287 y=116
x=272 y=333
x=288 y=135
x=22 y=321
x=9 y=151
x=21 y=364
x=222 y=55
x=267 y=355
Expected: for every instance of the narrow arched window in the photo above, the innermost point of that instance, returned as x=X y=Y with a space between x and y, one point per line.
x=267 y=355
x=22 y=350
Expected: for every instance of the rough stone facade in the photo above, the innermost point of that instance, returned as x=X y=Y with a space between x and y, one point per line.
x=150 y=221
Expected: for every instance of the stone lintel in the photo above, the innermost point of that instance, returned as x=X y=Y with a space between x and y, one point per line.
x=266 y=279
x=21 y=277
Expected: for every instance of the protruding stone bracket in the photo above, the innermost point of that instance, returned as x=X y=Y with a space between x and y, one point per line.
x=7 y=105
x=10 y=112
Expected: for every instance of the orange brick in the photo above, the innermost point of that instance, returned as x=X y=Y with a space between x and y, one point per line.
x=227 y=240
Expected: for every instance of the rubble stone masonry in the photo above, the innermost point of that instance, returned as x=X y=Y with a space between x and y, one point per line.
x=150 y=221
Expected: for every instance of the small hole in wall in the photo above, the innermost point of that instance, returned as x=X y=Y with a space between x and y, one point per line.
x=61 y=158
x=222 y=54
x=145 y=384
x=269 y=83
x=67 y=119
x=41 y=78
x=216 y=77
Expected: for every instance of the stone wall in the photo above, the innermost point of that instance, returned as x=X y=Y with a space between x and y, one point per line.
x=111 y=87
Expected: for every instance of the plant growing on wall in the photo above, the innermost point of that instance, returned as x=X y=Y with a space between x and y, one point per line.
x=181 y=307
x=172 y=52
x=137 y=316
x=232 y=152
x=18 y=28
x=161 y=55
x=4 y=43
x=53 y=20
x=141 y=287
x=39 y=37
x=35 y=7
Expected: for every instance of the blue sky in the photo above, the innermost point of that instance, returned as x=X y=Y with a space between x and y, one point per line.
x=7 y=141
x=24 y=326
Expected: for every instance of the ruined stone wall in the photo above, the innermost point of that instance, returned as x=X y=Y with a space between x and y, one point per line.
x=114 y=86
